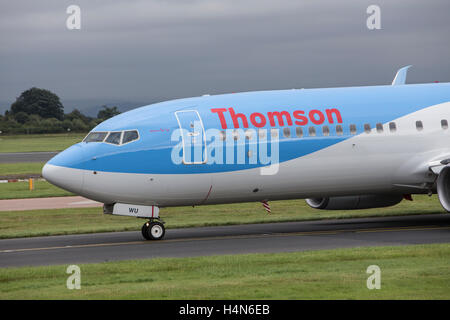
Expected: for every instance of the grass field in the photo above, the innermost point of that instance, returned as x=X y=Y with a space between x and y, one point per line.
x=20 y=190
x=87 y=220
x=22 y=168
x=407 y=272
x=39 y=142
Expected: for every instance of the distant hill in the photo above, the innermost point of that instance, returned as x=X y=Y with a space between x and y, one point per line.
x=90 y=107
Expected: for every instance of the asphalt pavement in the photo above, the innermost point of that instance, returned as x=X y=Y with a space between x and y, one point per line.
x=13 y=157
x=239 y=239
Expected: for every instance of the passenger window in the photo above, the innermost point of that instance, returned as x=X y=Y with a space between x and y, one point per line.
x=367 y=128
x=262 y=133
x=95 y=137
x=235 y=135
x=312 y=131
x=223 y=135
x=326 y=130
x=353 y=129
x=248 y=134
x=444 y=124
x=114 y=138
x=339 y=130
x=286 y=132
x=274 y=133
x=419 y=125
x=299 y=132
x=379 y=127
x=129 y=136
x=392 y=127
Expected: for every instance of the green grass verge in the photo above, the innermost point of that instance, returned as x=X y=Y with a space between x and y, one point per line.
x=22 y=168
x=39 y=142
x=407 y=272
x=20 y=190
x=87 y=220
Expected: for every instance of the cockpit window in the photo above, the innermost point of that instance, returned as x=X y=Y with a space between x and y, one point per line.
x=129 y=136
x=95 y=137
x=114 y=137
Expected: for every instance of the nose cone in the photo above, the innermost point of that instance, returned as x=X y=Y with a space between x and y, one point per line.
x=66 y=178
x=60 y=172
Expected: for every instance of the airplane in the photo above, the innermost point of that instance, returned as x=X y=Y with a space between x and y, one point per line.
x=338 y=148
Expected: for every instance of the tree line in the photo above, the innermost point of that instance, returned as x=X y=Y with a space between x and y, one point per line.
x=41 y=111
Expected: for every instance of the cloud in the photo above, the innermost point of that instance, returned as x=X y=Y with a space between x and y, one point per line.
x=144 y=50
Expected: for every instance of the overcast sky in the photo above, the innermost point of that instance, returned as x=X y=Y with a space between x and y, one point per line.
x=137 y=50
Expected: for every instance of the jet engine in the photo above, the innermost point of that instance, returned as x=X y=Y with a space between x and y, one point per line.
x=443 y=188
x=358 y=202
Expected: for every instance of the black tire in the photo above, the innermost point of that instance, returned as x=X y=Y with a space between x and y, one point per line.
x=144 y=231
x=155 y=231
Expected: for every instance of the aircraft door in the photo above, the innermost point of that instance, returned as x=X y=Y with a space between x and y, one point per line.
x=193 y=136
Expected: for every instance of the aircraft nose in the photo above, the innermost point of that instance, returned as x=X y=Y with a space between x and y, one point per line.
x=60 y=172
x=66 y=178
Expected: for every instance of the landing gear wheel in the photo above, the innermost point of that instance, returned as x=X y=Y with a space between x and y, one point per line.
x=153 y=230
x=144 y=230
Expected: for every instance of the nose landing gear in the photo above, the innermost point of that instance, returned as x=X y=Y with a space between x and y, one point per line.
x=153 y=230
